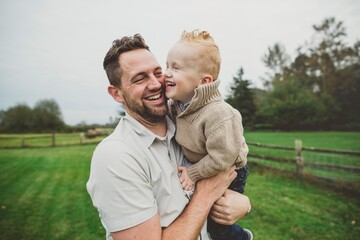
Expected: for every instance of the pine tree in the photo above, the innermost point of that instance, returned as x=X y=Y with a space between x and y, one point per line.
x=241 y=97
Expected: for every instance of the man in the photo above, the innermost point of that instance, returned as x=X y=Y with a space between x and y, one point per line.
x=133 y=179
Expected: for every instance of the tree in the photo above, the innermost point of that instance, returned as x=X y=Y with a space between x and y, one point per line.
x=277 y=60
x=242 y=98
x=121 y=112
x=326 y=70
x=17 y=119
x=332 y=68
x=47 y=116
x=326 y=55
x=289 y=106
x=347 y=96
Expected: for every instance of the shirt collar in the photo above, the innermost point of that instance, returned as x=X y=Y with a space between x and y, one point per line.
x=183 y=106
x=148 y=136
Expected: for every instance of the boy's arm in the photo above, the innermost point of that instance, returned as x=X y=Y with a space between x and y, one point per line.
x=188 y=225
x=185 y=180
x=224 y=143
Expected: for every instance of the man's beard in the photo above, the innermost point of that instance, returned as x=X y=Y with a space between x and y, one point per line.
x=149 y=114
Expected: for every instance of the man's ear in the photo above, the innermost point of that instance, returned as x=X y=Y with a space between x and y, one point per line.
x=116 y=93
x=207 y=79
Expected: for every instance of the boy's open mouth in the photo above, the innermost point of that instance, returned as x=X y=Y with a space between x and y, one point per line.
x=170 y=84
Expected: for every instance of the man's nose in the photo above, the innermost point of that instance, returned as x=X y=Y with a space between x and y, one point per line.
x=155 y=83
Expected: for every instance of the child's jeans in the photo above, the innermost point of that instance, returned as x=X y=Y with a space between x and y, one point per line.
x=230 y=232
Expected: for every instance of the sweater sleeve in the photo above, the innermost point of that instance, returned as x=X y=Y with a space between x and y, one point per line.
x=224 y=144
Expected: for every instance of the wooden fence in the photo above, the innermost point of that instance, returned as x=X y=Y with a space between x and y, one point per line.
x=48 y=140
x=299 y=161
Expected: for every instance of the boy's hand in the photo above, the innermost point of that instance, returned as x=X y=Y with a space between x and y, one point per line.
x=185 y=180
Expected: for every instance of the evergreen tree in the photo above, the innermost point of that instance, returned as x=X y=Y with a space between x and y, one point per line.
x=241 y=97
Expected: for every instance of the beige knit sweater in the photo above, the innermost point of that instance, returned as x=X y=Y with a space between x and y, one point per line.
x=210 y=133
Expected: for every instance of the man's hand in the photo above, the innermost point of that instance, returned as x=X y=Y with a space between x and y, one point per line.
x=186 y=182
x=214 y=187
x=230 y=208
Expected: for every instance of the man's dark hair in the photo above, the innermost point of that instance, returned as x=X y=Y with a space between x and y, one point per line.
x=111 y=61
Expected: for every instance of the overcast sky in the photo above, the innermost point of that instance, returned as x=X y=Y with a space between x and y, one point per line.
x=51 y=49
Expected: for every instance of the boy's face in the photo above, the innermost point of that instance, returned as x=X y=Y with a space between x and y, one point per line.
x=183 y=73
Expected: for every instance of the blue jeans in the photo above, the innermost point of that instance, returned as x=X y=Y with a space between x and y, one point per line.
x=230 y=232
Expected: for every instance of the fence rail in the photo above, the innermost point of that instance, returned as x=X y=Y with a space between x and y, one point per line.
x=331 y=166
x=313 y=149
x=54 y=140
x=322 y=150
x=272 y=158
x=299 y=160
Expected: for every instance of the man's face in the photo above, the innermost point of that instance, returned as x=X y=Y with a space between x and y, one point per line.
x=142 y=86
x=183 y=73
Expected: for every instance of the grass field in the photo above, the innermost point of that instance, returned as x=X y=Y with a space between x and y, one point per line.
x=332 y=140
x=43 y=196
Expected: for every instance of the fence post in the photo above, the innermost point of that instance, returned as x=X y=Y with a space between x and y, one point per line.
x=53 y=139
x=298 y=157
x=81 y=138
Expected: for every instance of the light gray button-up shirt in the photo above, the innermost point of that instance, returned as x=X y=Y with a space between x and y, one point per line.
x=133 y=176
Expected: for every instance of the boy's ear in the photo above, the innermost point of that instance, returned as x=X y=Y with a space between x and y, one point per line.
x=207 y=79
x=116 y=93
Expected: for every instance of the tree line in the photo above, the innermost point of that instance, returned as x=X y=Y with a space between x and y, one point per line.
x=46 y=116
x=319 y=89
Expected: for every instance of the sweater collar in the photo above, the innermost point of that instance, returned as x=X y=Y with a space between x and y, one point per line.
x=204 y=94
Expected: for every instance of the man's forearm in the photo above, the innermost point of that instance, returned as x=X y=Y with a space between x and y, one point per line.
x=188 y=225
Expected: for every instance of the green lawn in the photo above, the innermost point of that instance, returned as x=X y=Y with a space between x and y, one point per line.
x=332 y=140
x=43 y=196
x=291 y=209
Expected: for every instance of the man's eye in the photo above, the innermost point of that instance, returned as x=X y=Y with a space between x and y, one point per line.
x=158 y=74
x=137 y=80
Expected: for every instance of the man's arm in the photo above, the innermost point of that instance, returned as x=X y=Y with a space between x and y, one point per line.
x=149 y=229
x=188 y=225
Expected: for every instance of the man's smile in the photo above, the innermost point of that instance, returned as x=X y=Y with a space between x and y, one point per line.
x=154 y=97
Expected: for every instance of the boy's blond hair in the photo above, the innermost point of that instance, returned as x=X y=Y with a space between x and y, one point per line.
x=208 y=52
